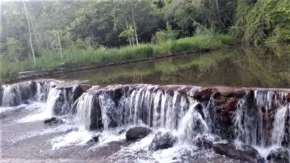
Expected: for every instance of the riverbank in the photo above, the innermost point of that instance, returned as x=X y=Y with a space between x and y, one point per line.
x=80 y=59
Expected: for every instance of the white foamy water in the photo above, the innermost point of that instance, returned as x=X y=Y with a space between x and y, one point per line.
x=72 y=138
x=137 y=151
x=58 y=129
x=279 y=125
x=36 y=115
x=110 y=136
x=84 y=107
x=53 y=95
x=8 y=109
x=82 y=137
x=191 y=125
x=264 y=152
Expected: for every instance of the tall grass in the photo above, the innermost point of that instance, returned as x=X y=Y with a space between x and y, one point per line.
x=74 y=57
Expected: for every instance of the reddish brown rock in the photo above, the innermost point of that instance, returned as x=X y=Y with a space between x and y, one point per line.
x=231 y=92
x=204 y=94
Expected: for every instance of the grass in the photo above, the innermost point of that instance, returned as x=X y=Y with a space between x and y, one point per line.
x=73 y=57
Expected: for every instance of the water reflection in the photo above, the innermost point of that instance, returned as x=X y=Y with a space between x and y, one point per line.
x=231 y=67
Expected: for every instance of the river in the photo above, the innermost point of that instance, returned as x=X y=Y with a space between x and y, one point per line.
x=168 y=96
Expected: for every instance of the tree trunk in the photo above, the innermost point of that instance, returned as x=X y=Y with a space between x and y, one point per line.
x=60 y=47
x=135 y=27
x=129 y=37
x=30 y=37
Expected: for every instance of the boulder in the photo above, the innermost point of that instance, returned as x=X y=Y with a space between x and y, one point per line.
x=280 y=155
x=93 y=140
x=244 y=153
x=96 y=114
x=122 y=131
x=203 y=94
x=53 y=121
x=205 y=142
x=162 y=141
x=137 y=133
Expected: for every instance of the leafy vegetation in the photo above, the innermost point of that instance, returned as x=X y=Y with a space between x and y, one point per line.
x=75 y=57
x=263 y=21
x=52 y=34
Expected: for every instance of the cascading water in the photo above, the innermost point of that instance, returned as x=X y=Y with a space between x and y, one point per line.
x=53 y=95
x=25 y=92
x=279 y=126
x=261 y=121
x=258 y=118
x=83 y=109
x=191 y=124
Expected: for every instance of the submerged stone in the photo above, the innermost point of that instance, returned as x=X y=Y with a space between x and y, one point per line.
x=122 y=131
x=137 y=133
x=94 y=139
x=243 y=153
x=162 y=141
x=280 y=155
x=53 y=121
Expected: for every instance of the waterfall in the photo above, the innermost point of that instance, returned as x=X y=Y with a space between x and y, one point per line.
x=83 y=111
x=279 y=126
x=156 y=109
x=191 y=124
x=108 y=110
x=53 y=95
x=25 y=92
x=145 y=104
x=260 y=120
x=16 y=94
x=259 y=117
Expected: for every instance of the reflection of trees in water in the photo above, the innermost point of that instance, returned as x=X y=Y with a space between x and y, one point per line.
x=247 y=67
x=262 y=67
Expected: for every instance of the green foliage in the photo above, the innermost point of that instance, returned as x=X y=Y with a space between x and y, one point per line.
x=266 y=20
x=165 y=35
x=76 y=57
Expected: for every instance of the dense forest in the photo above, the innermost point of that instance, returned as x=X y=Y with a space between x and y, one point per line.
x=53 y=34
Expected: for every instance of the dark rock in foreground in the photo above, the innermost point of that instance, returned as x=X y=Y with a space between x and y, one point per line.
x=137 y=133
x=280 y=155
x=53 y=121
x=244 y=153
x=162 y=141
x=94 y=139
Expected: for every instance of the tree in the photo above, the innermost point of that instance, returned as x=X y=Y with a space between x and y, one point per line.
x=30 y=36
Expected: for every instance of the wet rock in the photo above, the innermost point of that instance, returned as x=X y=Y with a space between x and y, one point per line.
x=162 y=141
x=122 y=131
x=18 y=93
x=53 y=121
x=96 y=115
x=243 y=153
x=205 y=142
x=286 y=139
x=85 y=87
x=231 y=92
x=94 y=139
x=69 y=94
x=203 y=94
x=280 y=155
x=137 y=133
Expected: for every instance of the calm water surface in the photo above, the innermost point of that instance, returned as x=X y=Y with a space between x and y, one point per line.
x=242 y=68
